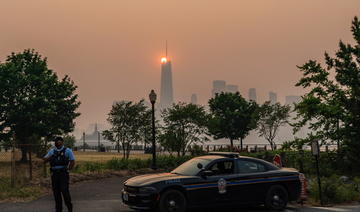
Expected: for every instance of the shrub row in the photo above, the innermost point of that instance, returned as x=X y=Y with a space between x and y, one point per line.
x=162 y=162
x=330 y=162
x=334 y=190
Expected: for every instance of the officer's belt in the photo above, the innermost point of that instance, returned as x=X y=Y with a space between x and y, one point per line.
x=58 y=170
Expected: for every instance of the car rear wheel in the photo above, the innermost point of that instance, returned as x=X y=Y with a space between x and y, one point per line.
x=276 y=198
x=172 y=201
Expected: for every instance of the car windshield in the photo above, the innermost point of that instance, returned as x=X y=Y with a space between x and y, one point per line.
x=190 y=167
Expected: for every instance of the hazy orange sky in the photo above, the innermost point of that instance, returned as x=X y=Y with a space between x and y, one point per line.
x=112 y=48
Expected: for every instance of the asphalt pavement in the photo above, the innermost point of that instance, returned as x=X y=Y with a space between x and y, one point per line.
x=105 y=196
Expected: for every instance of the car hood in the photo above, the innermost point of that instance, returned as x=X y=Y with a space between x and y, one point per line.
x=148 y=179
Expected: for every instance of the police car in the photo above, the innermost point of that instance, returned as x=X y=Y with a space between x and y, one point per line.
x=216 y=179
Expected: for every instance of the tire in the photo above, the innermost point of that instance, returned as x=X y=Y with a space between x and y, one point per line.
x=172 y=201
x=276 y=198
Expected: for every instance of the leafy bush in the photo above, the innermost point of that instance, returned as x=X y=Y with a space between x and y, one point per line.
x=88 y=167
x=334 y=190
x=117 y=164
x=330 y=162
x=170 y=162
x=196 y=150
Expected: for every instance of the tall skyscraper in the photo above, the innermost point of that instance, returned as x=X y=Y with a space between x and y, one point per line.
x=166 y=91
x=290 y=100
x=272 y=97
x=232 y=88
x=218 y=87
x=193 y=99
x=252 y=94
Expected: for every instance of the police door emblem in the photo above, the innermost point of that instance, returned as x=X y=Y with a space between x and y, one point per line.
x=222 y=186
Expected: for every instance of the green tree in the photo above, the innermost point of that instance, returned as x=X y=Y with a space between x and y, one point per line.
x=170 y=140
x=232 y=117
x=69 y=141
x=332 y=106
x=128 y=121
x=34 y=102
x=184 y=125
x=271 y=118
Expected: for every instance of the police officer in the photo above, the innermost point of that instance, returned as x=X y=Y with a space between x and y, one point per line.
x=61 y=161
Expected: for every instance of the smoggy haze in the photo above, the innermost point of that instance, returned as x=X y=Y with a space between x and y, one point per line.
x=112 y=48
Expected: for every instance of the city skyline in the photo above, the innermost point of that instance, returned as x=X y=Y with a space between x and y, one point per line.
x=111 y=51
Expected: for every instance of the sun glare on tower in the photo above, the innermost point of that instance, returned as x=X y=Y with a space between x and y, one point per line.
x=163 y=60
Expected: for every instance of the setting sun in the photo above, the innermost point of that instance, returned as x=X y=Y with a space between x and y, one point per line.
x=163 y=60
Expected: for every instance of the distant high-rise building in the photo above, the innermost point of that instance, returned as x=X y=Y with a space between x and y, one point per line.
x=218 y=87
x=166 y=92
x=289 y=100
x=272 y=97
x=252 y=94
x=94 y=134
x=232 y=88
x=193 y=99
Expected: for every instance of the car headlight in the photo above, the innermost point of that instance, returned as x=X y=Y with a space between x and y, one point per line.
x=147 y=190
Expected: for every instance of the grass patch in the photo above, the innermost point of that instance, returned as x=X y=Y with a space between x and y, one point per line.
x=104 y=156
x=163 y=162
x=16 y=193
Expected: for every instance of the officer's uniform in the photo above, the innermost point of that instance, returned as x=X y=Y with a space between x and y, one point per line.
x=60 y=176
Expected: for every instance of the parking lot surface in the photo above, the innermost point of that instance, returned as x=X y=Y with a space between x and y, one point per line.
x=105 y=196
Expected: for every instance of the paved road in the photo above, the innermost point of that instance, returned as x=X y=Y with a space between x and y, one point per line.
x=104 y=196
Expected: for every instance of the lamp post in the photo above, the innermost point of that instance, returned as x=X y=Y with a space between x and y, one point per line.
x=152 y=97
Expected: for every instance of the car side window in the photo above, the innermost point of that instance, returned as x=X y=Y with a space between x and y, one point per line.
x=222 y=168
x=246 y=166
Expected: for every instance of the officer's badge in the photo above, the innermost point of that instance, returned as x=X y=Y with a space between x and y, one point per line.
x=222 y=186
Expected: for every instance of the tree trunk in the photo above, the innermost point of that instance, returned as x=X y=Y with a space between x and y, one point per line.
x=124 y=150
x=118 y=146
x=128 y=146
x=231 y=144
x=272 y=144
x=241 y=144
x=24 y=151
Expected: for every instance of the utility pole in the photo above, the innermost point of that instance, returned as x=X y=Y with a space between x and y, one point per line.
x=83 y=141
x=98 y=141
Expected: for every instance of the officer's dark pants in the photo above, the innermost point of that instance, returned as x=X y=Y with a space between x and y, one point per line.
x=60 y=185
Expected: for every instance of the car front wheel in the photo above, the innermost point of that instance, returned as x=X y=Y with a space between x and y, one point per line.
x=276 y=198
x=172 y=201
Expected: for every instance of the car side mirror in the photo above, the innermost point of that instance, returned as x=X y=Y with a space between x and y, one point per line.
x=206 y=173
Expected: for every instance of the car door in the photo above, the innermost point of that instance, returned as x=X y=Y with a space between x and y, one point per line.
x=223 y=175
x=212 y=190
x=250 y=183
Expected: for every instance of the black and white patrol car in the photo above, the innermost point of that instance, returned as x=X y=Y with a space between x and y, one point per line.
x=216 y=179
